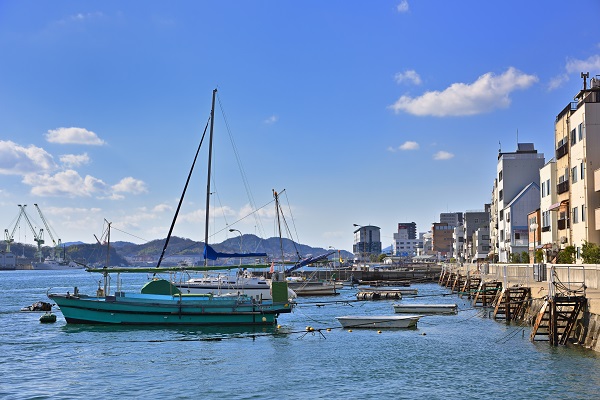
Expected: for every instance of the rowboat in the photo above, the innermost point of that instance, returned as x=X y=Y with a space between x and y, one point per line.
x=379 y=321
x=426 y=308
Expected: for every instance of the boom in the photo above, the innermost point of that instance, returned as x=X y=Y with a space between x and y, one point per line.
x=56 y=245
x=38 y=238
x=10 y=238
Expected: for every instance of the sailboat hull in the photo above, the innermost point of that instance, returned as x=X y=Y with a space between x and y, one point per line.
x=143 y=309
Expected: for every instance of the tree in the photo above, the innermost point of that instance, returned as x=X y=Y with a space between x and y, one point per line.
x=525 y=257
x=566 y=255
x=515 y=258
x=590 y=253
x=539 y=256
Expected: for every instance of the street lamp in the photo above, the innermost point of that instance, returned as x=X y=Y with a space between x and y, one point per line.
x=236 y=230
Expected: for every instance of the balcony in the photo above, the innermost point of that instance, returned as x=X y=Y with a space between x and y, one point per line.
x=546 y=228
x=563 y=224
x=562 y=187
x=562 y=150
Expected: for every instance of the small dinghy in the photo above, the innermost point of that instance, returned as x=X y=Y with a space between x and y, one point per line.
x=48 y=318
x=38 y=306
x=379 y=321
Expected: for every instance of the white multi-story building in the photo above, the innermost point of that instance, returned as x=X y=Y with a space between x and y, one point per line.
x=548 y=203
x=515 y=172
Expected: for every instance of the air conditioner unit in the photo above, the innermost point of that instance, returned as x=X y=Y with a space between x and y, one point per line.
x=563 y=239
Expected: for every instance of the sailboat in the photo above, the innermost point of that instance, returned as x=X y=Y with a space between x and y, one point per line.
x=160 y=302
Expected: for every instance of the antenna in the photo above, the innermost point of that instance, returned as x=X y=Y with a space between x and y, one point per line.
x=585 y=76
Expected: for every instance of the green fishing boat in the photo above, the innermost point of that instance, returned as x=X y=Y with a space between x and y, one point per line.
x=160 y=302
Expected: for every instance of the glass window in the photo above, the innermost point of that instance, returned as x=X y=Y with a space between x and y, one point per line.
x=573 y=137
x=574 y=175
x=582 y=170
x=543 y=189
x=580 y=131
x=548 y=187
x=575 y=215
x=582 y=212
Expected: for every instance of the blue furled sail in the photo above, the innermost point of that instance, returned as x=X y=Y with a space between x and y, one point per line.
x=307 y=261
x=212 y=254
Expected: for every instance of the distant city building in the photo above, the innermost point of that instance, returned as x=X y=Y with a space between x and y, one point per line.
x=458 y=242
x=442 y=234
x=406 y=243
x=474 y=220
x=367 y=243
x=452 y=219
x=407 y=228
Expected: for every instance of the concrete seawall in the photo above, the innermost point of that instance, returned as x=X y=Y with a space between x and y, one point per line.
x=566 y=277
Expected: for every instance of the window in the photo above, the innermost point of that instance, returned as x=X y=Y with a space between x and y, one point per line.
x=580 y=131
x=582 y=212
x=517 y=235
x=543 y=189
x=500 y=176
x=582 y=170
x=501 y=215
x=575 y=216
x=574 y=175
x=500 y=194
x=548 y=187
x=573 y=137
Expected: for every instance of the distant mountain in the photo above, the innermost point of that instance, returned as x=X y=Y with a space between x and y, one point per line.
x=179 y=248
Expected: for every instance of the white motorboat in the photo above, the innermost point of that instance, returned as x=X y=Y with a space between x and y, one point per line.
x=315 y=288
x=426 y=308
x=256 y=287
x=56 y=263
x=379 y=321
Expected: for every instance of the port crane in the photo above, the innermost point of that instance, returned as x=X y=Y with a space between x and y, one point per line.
x=37 y=237
x=56 y=244
x=9 y=238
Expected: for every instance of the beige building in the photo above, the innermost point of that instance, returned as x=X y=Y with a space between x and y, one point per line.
x=577 y=138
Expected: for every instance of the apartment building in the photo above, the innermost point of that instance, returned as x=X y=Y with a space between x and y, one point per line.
x=515 y=173
x=577 y=138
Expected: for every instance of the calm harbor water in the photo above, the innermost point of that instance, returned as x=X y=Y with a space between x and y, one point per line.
x=467 y=355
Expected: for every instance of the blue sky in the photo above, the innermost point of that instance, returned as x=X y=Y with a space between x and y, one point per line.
x=364 y=112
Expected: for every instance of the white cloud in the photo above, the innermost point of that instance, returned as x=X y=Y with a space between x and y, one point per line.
x=65 y=183
x=73 y=136
x=19 y=160
x=487 y=93
x=408 y=76
x=409 y=145
x=160 y=208
x=272 y=119
x=130 y=185
x=574 y=66
x=592 y=64
x=74 y=160
x=442 y=155
x=402 y=7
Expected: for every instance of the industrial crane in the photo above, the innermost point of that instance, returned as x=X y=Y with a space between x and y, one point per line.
x=10 y=238
x=56 y=245
x=38 y=238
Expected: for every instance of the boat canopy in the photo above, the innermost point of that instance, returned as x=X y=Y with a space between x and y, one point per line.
x=308 y=261
x=212 y=254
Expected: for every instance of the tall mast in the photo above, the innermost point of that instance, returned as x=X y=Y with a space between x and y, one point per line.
x=210 y=143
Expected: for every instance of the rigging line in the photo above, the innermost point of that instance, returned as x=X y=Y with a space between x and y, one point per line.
x=241 y=168
x=292 y=216
x=181 y=199
x=241 y=219
x=130 y=234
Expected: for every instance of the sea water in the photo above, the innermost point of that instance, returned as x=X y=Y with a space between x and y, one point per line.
x=467 y=355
